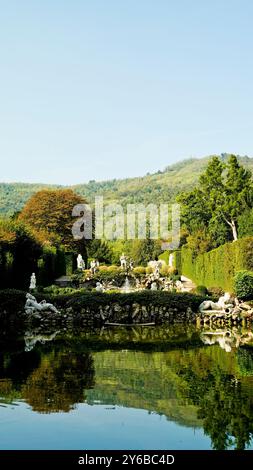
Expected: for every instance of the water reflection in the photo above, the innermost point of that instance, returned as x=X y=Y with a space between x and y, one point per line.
x=166 y=370
x=31 y=338
x=227 y=339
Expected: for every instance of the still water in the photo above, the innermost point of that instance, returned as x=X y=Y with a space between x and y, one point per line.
x=126 y=388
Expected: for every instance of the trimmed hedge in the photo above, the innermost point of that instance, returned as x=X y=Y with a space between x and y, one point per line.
x=165 y=256
x=50 y=266
x=218 y=267
x=13 y=301
x=146 y=297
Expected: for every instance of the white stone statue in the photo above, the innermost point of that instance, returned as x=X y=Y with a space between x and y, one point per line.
x=93 y=266
x=153 y=286
x=179 y=285
x=80 y=262
x=221 y=305
x=152 y=264
x=33 y=282
x=32 y=306
x=123 y=261
x=171 y=260
x=99 y=287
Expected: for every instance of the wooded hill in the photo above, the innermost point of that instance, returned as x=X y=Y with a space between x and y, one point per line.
x=162 y=186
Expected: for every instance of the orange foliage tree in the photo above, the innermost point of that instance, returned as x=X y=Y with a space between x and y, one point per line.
x=50 y=212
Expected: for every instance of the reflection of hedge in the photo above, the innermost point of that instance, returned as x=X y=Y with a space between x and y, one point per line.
x=217 y=267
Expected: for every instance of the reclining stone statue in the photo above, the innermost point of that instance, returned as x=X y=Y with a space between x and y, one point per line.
x=221 y=305
x=32 y=306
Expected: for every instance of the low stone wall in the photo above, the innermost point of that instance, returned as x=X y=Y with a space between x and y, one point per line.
x=144 y=307
x=114 y=314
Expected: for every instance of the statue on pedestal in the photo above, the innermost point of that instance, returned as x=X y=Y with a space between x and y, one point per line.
x=123 y=261
x=32 y=282
x=93 y=266
x=80 y=262
x=171 y=260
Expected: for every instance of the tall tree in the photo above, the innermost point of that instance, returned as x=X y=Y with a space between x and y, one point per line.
x=50 y=211
x=238 y=193
x=224 y=192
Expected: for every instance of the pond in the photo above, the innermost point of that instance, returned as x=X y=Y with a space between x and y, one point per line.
x=169 y=387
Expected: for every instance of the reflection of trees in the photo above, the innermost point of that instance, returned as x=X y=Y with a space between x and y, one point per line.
x=181 y=384
x=59 y=382
x=225 y=407
x=245 y=361
x=227 y=411
x=18 y=366
x=178 y=383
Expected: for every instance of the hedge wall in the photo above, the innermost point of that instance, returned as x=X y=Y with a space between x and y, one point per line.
x=50 y=266
x=12 y=300
x=217 y=268
x=14 y=273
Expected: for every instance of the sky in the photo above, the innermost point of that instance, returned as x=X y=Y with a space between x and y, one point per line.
x=103 y=89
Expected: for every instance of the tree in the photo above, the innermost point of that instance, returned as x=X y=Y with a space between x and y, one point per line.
x=143 y=251
x=245 y=224
x=224 y=192
x=100 y=250
x=50 y=211
x=238 y=193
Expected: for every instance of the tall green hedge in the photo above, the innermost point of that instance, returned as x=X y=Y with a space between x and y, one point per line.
x=218 y=267
x=50 y=266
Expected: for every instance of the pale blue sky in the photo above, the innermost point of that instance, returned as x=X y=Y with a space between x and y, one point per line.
x=99 y=89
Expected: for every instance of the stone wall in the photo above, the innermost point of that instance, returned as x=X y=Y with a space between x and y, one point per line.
x=91 y=308
x=115 y=314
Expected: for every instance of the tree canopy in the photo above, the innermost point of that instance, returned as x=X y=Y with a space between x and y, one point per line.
x=215 y=206
x=50 y=212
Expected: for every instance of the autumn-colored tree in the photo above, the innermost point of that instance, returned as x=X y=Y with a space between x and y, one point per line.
x=50 y=211
x=7 y=234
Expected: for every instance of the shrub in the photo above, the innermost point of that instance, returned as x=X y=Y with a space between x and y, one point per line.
x=243 y=285
x=168 y=271
x=113 y=268
x=149 y=270
x=215 y=291
x=201 y=290
x=164 y=271
x=55 y=290
x=140 y=270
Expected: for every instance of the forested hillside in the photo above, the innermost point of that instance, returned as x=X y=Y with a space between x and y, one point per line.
x=162 y=186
